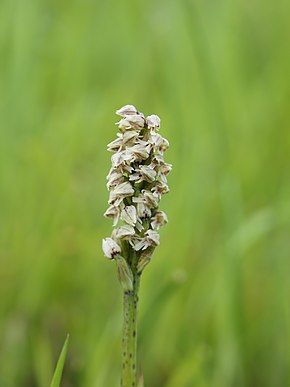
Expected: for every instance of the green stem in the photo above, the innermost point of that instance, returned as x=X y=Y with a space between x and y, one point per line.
x=129 y=340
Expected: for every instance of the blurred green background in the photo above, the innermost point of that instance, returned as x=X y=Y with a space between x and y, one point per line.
x=214 y=308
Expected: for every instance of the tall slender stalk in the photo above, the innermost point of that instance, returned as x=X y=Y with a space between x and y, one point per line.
x=129 y=339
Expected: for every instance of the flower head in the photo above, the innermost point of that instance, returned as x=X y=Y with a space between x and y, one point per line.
x=136 y=183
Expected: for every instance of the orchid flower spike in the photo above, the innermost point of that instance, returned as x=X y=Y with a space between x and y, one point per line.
x=136 y=183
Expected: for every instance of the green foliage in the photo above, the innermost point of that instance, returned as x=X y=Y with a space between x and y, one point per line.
x=56 y=380
x=214 y=301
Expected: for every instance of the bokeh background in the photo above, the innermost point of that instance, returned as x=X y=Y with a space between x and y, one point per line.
x=214 y=309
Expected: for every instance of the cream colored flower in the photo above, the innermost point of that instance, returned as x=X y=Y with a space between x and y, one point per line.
x=146 y=197
x=158 y=220
x=110 y=248
x=144 y=173
x=114 y=178
x=143 y=211
x=161 y=168
x=115 y=145
x=153 y=121
x=129 y=215
x=121 y=158
x=157 y=140
x=126 y=111
x=113 y=213
x=120 y=192
x=139 y=151
x=134 y=121
x=130 y=137
x=160 y=189
x=125 y=232
x=165 y=168
x=150 y=199
x=151 y=239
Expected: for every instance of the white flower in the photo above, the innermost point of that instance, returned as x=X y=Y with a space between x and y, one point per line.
x=134 y=121
x=157 y=159
x=143 y=211
x=148 y=173
x=153 y=121
x=146 y=197
x=126 y=110
x=144 y=173
x=165 y=168
x=155 y=139
x=115 y=145
x=120 y=158
x=113 y=213
x=124 y=189
x=158 y=142
x=114 y=178
x=164 y=145
x=129 y=137
x=125 y=232
x=161 y=167
x=150 y=199
x=151 y=239
x=139 y=152
x=160 y=189
x=129 y=215
x=110 y=248
x=159 y=219
x=120 y=192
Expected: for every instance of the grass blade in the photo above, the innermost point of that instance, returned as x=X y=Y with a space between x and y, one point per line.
x=60 y=364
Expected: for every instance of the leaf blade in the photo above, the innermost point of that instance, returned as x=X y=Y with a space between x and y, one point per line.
x=60 y=364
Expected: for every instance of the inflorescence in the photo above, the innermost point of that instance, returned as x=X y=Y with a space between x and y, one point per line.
x=136 y=182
